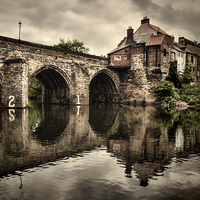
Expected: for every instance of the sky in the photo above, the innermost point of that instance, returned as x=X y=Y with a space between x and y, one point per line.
x=101 y=24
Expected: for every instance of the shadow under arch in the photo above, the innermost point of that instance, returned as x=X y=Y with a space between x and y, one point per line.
x=103 y=87
x=55 y=84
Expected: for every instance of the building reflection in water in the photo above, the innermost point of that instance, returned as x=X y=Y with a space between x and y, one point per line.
x=149 y=146
x=143 y=139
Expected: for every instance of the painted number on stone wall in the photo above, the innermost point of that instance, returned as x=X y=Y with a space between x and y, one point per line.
x=12 y=98
x=11 y=117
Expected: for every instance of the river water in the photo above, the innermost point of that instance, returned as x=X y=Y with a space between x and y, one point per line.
x=99 y=152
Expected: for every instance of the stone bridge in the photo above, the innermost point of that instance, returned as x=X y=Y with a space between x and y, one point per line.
x=66 y=77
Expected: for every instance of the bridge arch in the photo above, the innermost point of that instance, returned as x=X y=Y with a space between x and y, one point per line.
x=55 y=84
x=103 y=87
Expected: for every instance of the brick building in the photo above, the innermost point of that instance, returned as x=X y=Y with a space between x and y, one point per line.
x=142 y=59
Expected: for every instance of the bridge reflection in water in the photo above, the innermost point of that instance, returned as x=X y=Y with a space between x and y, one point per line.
x=144 y=140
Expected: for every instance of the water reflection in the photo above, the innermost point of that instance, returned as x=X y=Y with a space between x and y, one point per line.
x=47 y=123
x=144 y=141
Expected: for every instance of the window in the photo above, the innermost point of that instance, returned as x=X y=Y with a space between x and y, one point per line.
x=191 y=59
x=117 y=57
x=164 y=52
x=125 y=51
x=178 y=54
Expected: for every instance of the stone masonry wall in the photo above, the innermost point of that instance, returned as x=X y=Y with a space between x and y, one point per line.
x=77 y=69
x=134 y=86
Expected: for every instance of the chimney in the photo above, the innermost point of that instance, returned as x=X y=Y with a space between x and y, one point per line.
x=172 y=38
x=129 y=35
x=145 y=20
x=181 y=40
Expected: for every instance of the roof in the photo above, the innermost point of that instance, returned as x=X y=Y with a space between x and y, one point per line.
x=194 y=49
x=188 y=50
x=138 y=39
x=156 y=28
x=142 y=38
x=120 y=46
x=156 y=40
x=180 y=45
x=177 y=46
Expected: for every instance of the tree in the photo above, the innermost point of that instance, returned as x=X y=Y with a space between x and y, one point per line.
x=72 y=45
x=187 y=74
x=35 y=89
x=173 y=75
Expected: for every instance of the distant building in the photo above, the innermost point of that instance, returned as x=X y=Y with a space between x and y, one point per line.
x=179 y=53
x=193 y=55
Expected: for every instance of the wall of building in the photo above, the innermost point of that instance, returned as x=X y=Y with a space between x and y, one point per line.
x=121 y=58
x=180 y=57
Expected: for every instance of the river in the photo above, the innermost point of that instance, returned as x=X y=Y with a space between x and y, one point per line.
x=101 y=152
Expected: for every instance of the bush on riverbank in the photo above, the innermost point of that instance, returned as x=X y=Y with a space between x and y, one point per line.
x=190 y=94
x=169 y=95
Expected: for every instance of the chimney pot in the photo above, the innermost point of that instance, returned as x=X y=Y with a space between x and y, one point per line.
x=145 y=20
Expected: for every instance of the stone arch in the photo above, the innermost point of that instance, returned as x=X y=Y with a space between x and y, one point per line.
x=55 y=84
x=103 y=87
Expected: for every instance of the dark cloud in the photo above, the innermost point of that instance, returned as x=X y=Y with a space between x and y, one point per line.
x=180 y=14
x=101 y=24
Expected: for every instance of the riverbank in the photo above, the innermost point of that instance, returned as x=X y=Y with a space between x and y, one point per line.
x=179 y=105
x=188 y=96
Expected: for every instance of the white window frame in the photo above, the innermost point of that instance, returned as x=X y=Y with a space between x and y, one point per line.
x=117 y=57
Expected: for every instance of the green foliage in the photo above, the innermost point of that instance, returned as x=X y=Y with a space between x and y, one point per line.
x=173 y=75
x=167 y=93
x=164 y=88
x=190 y=94
x=35 y=89
x=72 y=45
x=187 y=74
x=169 y=100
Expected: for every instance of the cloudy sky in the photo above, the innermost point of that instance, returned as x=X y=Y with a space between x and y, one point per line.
x=101 y=24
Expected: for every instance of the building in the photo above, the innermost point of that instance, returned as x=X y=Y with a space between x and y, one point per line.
x=178 y=55
x=143 y=60
x=193 y=55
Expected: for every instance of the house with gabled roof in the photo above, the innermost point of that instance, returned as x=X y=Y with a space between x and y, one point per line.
x=142 y=59
x=193 y=55
x=147 y=28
